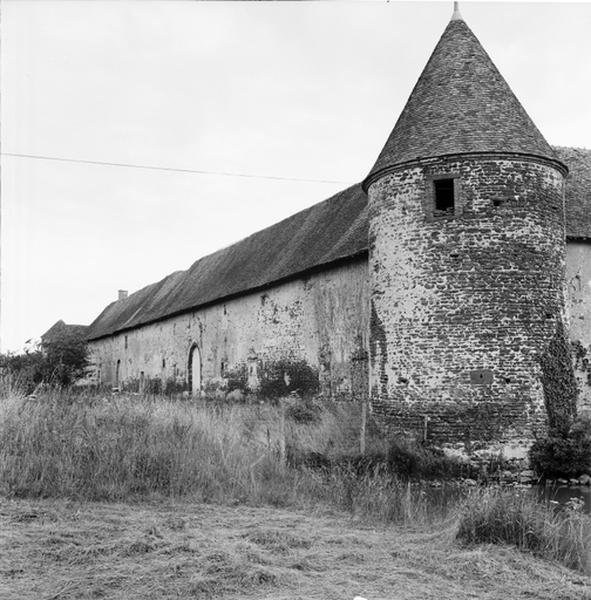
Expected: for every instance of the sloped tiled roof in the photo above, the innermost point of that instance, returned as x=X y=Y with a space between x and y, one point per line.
x=334 y=229
x=61 y=330
x=460 y=104
x=331 y=230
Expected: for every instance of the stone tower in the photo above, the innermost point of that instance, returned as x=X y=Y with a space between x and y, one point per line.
x=467 y=255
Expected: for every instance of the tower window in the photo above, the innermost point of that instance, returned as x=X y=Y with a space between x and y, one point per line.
x=444 y=196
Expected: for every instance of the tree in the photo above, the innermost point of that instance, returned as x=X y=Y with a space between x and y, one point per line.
x=26 y=369
x=66 y=360
x=60 y=359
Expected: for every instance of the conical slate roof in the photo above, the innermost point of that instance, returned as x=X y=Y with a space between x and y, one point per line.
x=460 y=104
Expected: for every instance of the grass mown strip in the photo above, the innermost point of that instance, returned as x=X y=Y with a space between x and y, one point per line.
x=164 y=550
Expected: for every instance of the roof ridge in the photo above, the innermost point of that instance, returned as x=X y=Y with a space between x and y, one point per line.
x=572 y=147
x=460 y=104
x=333 y=229
x=277 y=223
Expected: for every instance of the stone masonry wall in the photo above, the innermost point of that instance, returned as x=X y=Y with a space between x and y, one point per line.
x=578 y=282
x=321 y=318
x=463 y=305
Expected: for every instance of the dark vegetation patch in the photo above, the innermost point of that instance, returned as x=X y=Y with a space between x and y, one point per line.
x=565 y=451
x=304 y=412
x=58 y=360
x=275 y=378
x=283 y=377
x=404 y=459
x=559 y=384
x=237 y=378
x=565 y=456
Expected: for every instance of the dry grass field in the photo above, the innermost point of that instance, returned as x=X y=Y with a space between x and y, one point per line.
x=154 y=498
x=64 y=550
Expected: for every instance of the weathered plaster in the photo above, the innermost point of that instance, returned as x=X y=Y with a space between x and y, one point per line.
x=578 y=285
x=321 y=318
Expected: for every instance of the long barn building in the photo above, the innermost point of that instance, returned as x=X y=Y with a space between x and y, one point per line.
x=438 y=285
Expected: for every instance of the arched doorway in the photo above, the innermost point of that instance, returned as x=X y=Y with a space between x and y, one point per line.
x=194 y=370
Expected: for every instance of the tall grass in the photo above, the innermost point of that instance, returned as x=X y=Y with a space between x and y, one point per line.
x=128 y=448
x=500 y=516
x=114 y=448
x=117 y=448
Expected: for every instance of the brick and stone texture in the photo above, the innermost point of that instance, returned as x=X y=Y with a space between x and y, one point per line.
x=464 y=304
x=321 y=318
x=578 y=284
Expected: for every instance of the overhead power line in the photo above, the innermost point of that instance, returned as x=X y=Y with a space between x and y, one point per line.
x=171 y=169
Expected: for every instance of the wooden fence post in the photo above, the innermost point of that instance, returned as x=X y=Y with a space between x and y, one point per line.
x=363 y=426
x=282 y=432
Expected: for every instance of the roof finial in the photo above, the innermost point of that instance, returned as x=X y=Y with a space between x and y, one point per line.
x=457 y=16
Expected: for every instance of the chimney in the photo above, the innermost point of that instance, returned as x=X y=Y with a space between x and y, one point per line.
x=122 y=295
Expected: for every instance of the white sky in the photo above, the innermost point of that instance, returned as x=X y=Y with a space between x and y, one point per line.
x=307 y=90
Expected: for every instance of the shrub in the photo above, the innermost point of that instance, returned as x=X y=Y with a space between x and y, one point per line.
x=237 y=378
x=567 y=455
x=281 y=377
x=153 y=386
x=26 y=371
x=174 y=386
x=508 y=517
x=59 y=361
x=66 y=358
x=149 y=385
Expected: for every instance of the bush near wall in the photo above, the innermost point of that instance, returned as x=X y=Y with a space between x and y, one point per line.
x=173 y=386
x=559 y=384
x=559 y=455
x=282 y=377
x=566 y=449
x=151 y=385
x=277 y=379
x=237 y=378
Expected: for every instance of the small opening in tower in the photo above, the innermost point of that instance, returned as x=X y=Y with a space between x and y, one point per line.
x=444 y=196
